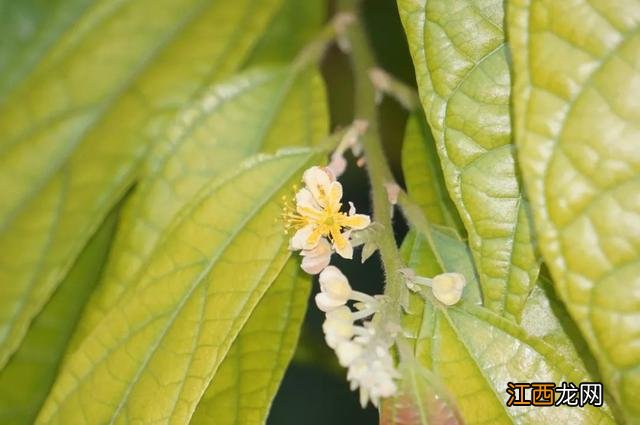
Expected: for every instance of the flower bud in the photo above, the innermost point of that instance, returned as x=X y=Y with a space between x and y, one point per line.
x=347 y=352
x=447 y=287
x=335 y=288
x=338 y=326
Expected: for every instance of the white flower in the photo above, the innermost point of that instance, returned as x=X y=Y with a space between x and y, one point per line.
x=335 y=288
x=335 y=292
x=338 y=326
x=348 y=352
x=317 y=214
x=373 y=373
x=316 y=259
x=447 y=287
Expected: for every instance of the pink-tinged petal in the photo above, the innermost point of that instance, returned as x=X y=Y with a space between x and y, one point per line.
x=317 y=259
x=393 y=190
x=338 y=165
x=299 y=239
x=356 y=221
x=314 y=265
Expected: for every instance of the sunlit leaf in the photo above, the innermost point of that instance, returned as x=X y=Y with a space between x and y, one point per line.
x=259 y=110
x=463 y=78
x=420 y=400
x=75 y=129
x=154 y=354
x=27 y=378
x=295 y=24
x=475 y=352
x=423 y=175
x=248 y=378
x=576 y=113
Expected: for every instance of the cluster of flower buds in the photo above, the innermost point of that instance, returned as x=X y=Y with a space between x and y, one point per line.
x=370 y=365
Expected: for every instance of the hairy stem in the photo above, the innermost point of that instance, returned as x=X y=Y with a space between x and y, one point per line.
x=377 y=167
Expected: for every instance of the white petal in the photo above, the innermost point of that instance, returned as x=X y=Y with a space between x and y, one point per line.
x=300 y=238
x=347 y=250
x=326 y=303
x=304 y=199
x=340 y=314
x=315 y=178
x=334 y=196
x=334 y=284
x=347 y=352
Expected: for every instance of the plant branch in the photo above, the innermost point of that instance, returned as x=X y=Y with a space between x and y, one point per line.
x=377 y=167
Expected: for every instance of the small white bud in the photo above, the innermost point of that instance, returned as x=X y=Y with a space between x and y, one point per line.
x=348 y=352
x=447 y=287
x=335 y=288
x=338 y=326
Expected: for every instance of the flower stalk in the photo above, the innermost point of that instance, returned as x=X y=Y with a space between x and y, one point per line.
x=377 y=167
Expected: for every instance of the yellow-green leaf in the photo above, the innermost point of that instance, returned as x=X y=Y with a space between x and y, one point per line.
x=27 y=378
x=259 y=110
x=295 y=24
x=475 y=352
x=423 y=175
x=420 y=400
x=577 y=79
x=249 y=377
x=28 y=26
x=154 y=354
x=459 y=55
x=74 y=130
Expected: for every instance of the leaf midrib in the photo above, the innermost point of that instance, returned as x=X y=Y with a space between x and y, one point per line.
x=176 y=219
x=195 y=284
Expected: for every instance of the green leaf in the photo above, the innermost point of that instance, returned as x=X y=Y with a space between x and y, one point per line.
x=423 y=175
x=28 y=27
x=249 y=377
x=420 y=400
x=443 y=248
x=260 y=110
x=74 y=131
x=295 y=24
x=576 y=115
x=154 y=354
x=475 y=352
x=463 y=78
x=27 y=378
